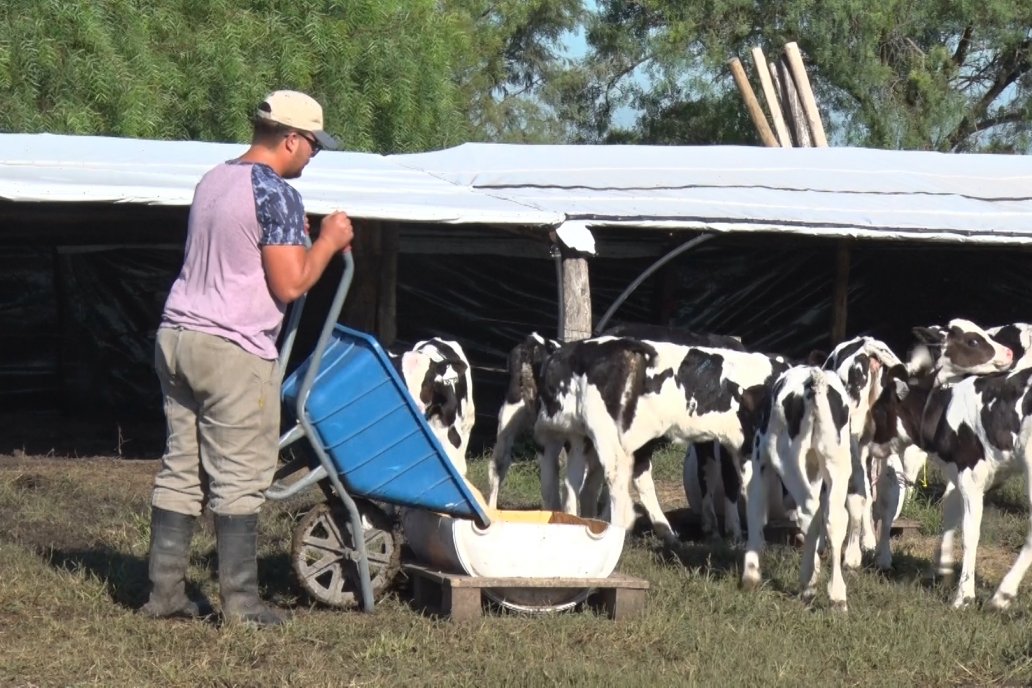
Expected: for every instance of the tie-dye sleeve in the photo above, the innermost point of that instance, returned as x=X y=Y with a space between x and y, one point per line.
x=281 y=215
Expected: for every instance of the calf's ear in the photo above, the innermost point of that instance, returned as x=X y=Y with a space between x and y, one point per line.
x=898 y=379
x=929 y=335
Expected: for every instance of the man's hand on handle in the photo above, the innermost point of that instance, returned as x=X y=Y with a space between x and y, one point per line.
x=336 y=229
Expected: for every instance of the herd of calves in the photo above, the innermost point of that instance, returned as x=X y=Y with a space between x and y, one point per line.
x=837 y=439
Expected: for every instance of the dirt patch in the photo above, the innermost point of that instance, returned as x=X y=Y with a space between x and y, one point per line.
x=50 y=504
x=54 y=435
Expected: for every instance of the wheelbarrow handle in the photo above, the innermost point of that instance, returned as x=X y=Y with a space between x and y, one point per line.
x=332 y=317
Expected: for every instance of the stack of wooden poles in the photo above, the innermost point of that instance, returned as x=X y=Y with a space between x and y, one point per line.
x=797 y=124
x=790 y=101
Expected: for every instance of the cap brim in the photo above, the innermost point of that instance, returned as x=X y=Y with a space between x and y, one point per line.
x=325 y=140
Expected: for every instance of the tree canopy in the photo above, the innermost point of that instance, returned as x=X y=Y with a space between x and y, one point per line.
x=409 y=75
x=195 y=69
x=942 y=75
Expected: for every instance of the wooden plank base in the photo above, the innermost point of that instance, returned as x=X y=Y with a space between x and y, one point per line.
x=460 y=597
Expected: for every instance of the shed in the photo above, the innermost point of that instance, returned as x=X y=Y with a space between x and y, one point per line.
x=789 y=248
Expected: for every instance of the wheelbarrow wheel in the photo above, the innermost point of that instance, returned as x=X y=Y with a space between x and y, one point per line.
x=325 y=556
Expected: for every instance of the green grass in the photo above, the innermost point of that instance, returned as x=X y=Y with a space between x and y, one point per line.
x=73 y=568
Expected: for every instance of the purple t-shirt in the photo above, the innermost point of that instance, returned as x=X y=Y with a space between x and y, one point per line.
x=237 y=208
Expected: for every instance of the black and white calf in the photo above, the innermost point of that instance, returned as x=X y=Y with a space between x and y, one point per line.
x=940 y=356
x=976 y=429
x=437 y=374
x=520 y=408
x=709 y=470
x=616 y=394
x=869 y=371
x=805 y=437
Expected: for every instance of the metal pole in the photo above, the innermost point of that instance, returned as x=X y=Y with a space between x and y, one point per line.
x=645 y=275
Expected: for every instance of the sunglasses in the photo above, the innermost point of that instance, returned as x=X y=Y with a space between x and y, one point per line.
x=311 y=141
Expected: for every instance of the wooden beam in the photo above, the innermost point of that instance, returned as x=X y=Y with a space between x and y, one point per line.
x=770 y=94
x=793 y=108
x=751 y=104
x=802 y=84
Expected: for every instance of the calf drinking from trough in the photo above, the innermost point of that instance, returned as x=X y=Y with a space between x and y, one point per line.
x=437 y=375
x=616 y=394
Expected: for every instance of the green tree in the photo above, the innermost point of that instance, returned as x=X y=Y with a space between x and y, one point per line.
x=517 y=62
x=195 y=69
x=393 y=75
x=894 y=74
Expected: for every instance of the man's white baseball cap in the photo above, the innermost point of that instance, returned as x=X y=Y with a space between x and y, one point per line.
x=298 y=111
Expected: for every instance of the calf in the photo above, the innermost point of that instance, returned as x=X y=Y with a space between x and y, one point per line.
x=437 y=374
x=939 y=357
x=616 y=394
x=707 y=458
x=976 y=429
x=520 y=406
x=804 y=436
x=869 y=370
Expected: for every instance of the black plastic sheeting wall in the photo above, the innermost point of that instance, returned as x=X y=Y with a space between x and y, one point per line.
x=77 y=324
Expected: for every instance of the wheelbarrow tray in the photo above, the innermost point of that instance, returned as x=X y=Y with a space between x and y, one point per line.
x=375 y=436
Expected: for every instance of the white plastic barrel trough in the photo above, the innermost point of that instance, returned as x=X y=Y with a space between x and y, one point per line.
x=518 y=544
x=367 y=430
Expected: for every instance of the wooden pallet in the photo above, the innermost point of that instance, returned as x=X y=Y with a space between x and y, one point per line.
x=460 y=597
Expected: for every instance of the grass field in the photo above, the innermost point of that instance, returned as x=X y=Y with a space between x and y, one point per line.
x=73 y=548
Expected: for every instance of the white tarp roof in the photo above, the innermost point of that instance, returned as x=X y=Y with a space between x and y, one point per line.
x=845 y=192
x=849 y=192
x=46 y=167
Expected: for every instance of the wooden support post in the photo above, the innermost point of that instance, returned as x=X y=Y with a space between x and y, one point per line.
x=793 y=108
x=622 y=603
x=802 y=84
x=751 y=104
x=770 y=94
x=576 y=295
x=371 y=305
x=841 y=300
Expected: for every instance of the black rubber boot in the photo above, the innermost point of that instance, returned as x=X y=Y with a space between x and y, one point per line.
x=237 y=538
x=171 y=533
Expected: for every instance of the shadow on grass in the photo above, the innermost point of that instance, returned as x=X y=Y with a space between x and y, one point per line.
x=124 y=576
x=126 y=579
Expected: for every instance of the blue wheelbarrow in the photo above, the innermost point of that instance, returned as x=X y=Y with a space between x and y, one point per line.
x=387 y=479
x=371 y=451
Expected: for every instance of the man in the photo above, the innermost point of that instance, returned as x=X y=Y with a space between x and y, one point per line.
x=215 y=355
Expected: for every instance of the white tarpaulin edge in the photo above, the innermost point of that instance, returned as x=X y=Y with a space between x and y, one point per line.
x=834 y=192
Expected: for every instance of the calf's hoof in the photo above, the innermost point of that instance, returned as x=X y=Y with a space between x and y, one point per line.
x=808 y=596
x=1001 y=601
x=839 y=607
x=963 y=602
x=751 y=580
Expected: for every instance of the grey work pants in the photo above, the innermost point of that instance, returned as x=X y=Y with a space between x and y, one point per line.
x=222 y=409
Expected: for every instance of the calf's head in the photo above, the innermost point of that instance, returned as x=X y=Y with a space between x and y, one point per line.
x=962 y=348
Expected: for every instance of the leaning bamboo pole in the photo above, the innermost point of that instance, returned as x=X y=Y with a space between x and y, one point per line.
x=802 y=84
x=752 y=105
x=793 y=108
x=770 y=94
